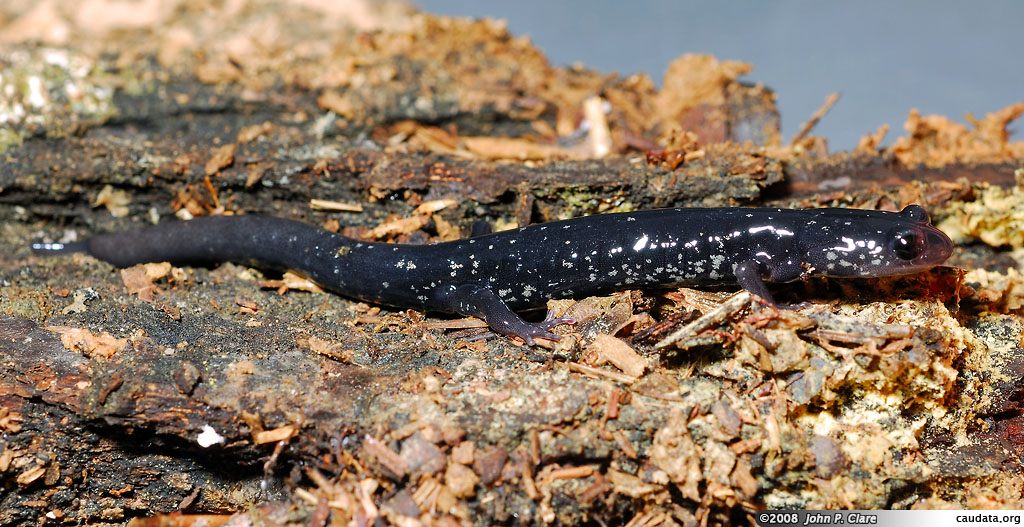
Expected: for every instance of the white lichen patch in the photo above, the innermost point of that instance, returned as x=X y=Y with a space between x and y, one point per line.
x=51 y=89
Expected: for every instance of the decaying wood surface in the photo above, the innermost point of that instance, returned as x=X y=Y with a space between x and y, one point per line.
x=128 y=395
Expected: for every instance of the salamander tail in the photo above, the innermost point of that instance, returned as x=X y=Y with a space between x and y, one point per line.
x=60 y=248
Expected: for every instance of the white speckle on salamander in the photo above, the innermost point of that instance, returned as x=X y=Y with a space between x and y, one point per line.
x=850 y=246
x=639 y=243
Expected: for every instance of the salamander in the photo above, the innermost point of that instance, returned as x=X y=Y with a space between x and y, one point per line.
x=493 y=275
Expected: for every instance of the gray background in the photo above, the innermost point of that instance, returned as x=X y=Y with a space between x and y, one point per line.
x=884 y=57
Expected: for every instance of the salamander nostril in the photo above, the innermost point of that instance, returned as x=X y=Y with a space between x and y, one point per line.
x=938 y=246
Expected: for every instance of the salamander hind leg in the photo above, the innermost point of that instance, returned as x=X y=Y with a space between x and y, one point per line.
x=479 y=301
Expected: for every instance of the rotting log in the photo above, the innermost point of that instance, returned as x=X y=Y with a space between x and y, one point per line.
x=210 y=393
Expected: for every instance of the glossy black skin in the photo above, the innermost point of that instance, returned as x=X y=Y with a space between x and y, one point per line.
x=491 y=275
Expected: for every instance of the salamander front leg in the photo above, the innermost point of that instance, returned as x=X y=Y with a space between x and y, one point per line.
x=479 y=301
x=748 y=275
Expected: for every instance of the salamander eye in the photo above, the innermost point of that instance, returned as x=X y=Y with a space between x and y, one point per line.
x=907 y=243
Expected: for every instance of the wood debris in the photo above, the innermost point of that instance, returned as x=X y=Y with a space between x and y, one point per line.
x=221 y=158
x=84 y=341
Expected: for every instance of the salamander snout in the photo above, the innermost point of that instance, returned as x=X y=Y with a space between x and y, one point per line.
x=921 y=245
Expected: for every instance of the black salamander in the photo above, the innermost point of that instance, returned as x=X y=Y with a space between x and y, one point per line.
x=493 y=275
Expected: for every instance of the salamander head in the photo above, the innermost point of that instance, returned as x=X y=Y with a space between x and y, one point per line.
x=847 y=242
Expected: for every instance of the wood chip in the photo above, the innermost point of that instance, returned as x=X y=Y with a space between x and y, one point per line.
x=421 y=456
x=463 y=453
x=177 y=519
x=529 y=486
x=599 y=138
x=218 y=70
x=445 y=230
x=335 y=102
x=598 y=373
x=432 y=206
x=813 y=121
x=612 y=405
x=336 y=206
x=388 y=458
x=396 y=227
x=617 y=352
x=869 y=143
x=5 y=459
x=327 y=348
x=461 y=480
x=280 y=433
x=250 y=133
x=116 y=201
x=138 y=279
x=506 y=148
x=291 y=281
x=27 y=477
x=220 y=159
x=82 y=340
x=570 y=473
x=11 y=422
x=489 y=464
x=624 y=444
x=461 y=323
